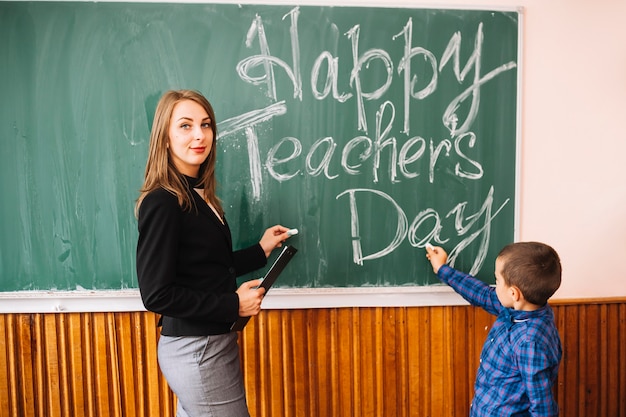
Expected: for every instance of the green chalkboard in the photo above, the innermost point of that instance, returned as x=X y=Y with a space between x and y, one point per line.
x=371 y=130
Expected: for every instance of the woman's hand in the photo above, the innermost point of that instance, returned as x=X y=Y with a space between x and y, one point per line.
x=273 y=238
x=250 y=298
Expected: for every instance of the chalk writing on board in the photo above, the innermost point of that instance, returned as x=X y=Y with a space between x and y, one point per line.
x=361 y=154
x=360 y=60
x=463 y=226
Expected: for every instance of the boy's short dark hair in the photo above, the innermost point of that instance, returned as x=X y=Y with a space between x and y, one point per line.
x=534 y=268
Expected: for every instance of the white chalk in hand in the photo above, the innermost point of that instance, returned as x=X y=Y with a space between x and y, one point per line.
x=292 y=232
x=429 y=246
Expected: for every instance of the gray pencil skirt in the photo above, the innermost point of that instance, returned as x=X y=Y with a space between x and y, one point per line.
x=205 y=374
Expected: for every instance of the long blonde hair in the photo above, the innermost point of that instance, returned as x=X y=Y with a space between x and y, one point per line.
x=160 y=169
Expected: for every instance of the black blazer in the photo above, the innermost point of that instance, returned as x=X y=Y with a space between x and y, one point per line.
x=186 y=267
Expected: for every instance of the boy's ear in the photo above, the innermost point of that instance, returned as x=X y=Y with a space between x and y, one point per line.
x=515 y=292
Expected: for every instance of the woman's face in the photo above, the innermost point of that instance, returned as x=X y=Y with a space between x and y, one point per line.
x=190 y=137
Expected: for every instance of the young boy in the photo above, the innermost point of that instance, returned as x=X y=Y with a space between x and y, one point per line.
x=520 y=358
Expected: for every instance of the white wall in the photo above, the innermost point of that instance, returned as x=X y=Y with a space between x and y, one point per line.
x=573 y=194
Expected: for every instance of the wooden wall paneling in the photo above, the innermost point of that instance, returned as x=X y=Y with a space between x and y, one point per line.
x=321 y=338
x=299 y=363
x=263 y=368
x=593 y=337
x=285 y=329
x=125 y=351
x=437 y=362
x=459 y=325
x=48 y=379
x=97 y=337
x=559 y=317
x=365 y=363
x=612 y=387
x=347 y=350
x=258 y=362
x=603 y=352
x=37 y=341
x=327 y=327
x=569 y=377
x=161 y=399
x=609 y=365
x=332 y=393
x=76 y=365
x=588 y=389
x=64 y=368
x=5 y=362
x=402 y=362
x=384 y=347
x=387 y=364
x=251 y=376
x=418 y=375
x=40 y=372
x=273 y=357
x=482 y=322
x=88 y=359
x=377 y=398
x=12 y=365
x=426 y=360
x=387 y=361
x=413 y=366
x=25 y=381
x=86 y=342
x=143 y=340
x=295 y=363
x=621 y=357
x=157 y=398
x=369 y=361
x=114 y=362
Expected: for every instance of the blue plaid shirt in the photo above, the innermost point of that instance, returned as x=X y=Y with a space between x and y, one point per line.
x=520 y=358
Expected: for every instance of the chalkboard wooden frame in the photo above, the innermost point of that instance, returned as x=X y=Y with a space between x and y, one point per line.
x=372 y=295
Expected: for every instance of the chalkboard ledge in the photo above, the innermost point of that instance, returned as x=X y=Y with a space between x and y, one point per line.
x=337 y=297
x=70 y=301
x=277 y=298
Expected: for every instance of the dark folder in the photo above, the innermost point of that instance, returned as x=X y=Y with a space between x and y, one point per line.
x=268 y=280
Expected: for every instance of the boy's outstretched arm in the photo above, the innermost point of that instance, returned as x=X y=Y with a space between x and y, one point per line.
x=473 y=290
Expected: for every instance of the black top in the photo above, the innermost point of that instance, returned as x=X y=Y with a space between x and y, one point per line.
x=186 y=267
